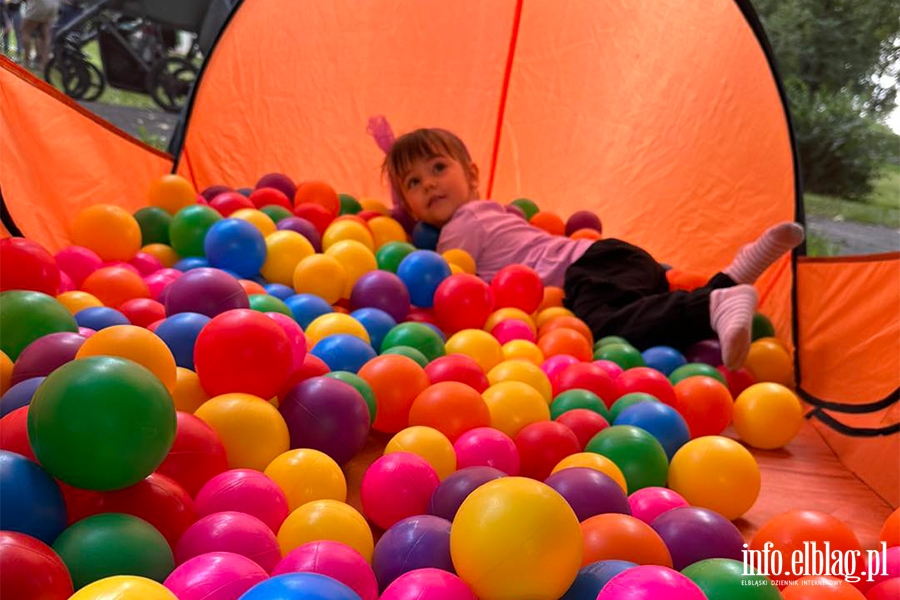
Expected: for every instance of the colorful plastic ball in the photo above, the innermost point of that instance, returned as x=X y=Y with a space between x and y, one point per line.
x=553 y=366
x=346 y=229
x=577 y=398
x=422 y=272
x=513 y=405
x=78 y=262
x=196 y=456
x=252 y=431
x=343 y=352
x=304 y=228
x=278 y=181
x=124 y=587
x=230 y=531
x=30 y=500
x=318 y=192
x=321 y=275
x=428 y=584
x=586 y=376
x=890 y=530
x=189 y=227
x=693 y=534
x=332 y=559
x=327 y=520
x=591 y=578
x=569 y=322
x=163 y=253
x=14 y=433
x=650 y=581
x=111 y=544
x=284 y=251
x=659 y=420
x=215 y=576
x=396 y=381
x=246 y=491
x=332 y=324
x=716 y=473
x=397 y=486
x=636 y=452
x=478 y=345
x=531 y=526
x=171 y=193
x=549 y=222
x=629 y=400
x=427 y=443
x=648 y=503
x=487 y=447
x=280 y=291
x=517 y=286
x=390 y=255
x=522 y=350
x=27 y=316
x=582 y=219
x=306 y=475
x=154 y=223
x=624 y=355
x=737 y=381
x=309 y=586
x=886 y=590
x=260 y=220
x=767 y=416
x=268 y=197
x=356 y=259
x=19 y=395
x=136 y=344
x=462 y=302
x=648 y=381
x=385 y=230
x=93 y=226
x=453 y=490
x=115 y=285
x=415 y=335
x=565 y=341
x=382 y=290
x=193 y=262
x=361 y=386
x=180 y=332
x=450 y=407
x=595 y=461
x=307 y=307
x=76 y=300
x=227 y=203
x=425 y=236
x=584 y=423
x=295 y=335
x=589 y=492
x=44 y=355
x=31 y=569
x=705 y=351
x=235 y=245
x=460 y=258
x=377 y=323
x=542 y=445
x=313 y=366
x=417 y=542
x=617 y=536
x=205 y=291
x=524 y=372
x=510 y=330
x=28 y=266
x=821 y=587
x=706 y=405
x=527 y=207
x=328 y=415
x=459 y=368
x=693 y=370
x=725 y=579
x=142 y=311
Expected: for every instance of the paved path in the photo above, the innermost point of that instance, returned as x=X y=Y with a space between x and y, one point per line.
x=157 y=124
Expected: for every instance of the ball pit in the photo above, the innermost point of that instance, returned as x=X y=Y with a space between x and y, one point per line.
x=214 y=576
x=451 y=408
x=305 y=475
x=230 y=531
x=427 y=443
x=197 y=454
x=332 y=559
x=246 y=491
x=326 y=520
x=397 y=486
x=252 y=431
x=418 y=542
x=767 y=415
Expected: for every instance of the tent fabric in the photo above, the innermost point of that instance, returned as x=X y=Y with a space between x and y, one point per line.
x=57 y=158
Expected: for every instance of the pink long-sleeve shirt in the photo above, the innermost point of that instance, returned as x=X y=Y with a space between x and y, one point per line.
x=496 y=238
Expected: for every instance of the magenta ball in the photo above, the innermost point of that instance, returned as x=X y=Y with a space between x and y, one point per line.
x=78 y=262
x=145 y=263
x=650 y=502
x=508 y=330
x=610 y=367
x=65 y=283
x=555 y=365
x=382 y=290
x=650 y=581
x=295 y=336
x=215 y=576
x=487 y=447
x=42 y=356
x=583 y=219
x=428 y=584
x=246 y=491
x=230 y=532
x=278 y=181
x=333 y=559
x=397 y=486
x=206 y=291
x=706 y=351
x=157 y=282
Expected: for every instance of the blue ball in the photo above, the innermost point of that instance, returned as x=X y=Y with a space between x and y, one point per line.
x=100 y=317
x=307 y=307
x=19 y=395
x=309 y=586
x=191 y=262
x=422 y=272
x=664 y=359
x=425 y=236
x=343 y=352
x=377 y=323
x=661 y=421
x=30 y=500
x=279 y=290
x=591 y=578
x=235 y=245
x=179 y=332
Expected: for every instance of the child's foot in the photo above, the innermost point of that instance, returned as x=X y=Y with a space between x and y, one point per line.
x=756 y=257
x=731 y=317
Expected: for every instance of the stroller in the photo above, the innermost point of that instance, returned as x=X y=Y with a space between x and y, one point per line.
x=136 y=41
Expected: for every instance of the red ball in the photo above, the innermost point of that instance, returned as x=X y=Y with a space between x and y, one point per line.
x=647 y=380
x=886 y=590
x=587 y=376
x=519 y=287
x=705 y=404
x=14 y=433
x=542 y=445
x=737 y=381
x=196 y=456
x=397 y=486
x=421 y=315
x=462 y=301
x=31 y=569
x=312 y=366
x=584 y=423
x=315 y=214
x=143 y=311
x=458 y=367
x=27 y=266
x=229 y=202
x=270 y=196
x=245 y=351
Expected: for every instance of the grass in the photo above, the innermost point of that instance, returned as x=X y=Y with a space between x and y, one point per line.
x=882 y=207
x=817 y=245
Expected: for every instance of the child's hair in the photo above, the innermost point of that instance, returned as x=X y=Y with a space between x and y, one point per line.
x=422 y=144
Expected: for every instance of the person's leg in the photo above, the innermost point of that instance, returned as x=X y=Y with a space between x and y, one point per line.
x=28 y=29
x=16 y=17
x=754 y=258
x=45 y=39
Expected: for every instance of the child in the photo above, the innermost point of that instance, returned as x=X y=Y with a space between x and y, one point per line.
x=614 y=287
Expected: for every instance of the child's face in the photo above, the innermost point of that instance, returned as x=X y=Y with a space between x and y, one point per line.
x=435 y=187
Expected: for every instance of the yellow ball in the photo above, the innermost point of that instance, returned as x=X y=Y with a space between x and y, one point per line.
x=428 y=443
x=137 y=344
x=769 y=360
x=525 y=372
x=356 y=259
x=6 y=369
x=509 y=313
x=374 y=205
x=333 y=324
x=306 y=475
x=385 y=230
x=171 y=193
x=76 y=300
x=767 y=415
x=252 y=430
x=163 y=253
x=257 y=218
x=124 y=587
x=516 y=538
x=598 y=462
x=284 y=251
x=455 y=269
x=347 y=229
x=110 y=231
x=551 y=313
x=717 y=473
x=326 y=520
x=478 y=345
x=321 y=275
x=188 y=393
x=461 y=258
x=513 y=405
x=522 y=350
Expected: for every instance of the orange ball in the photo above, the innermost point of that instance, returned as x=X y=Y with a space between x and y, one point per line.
x=549 y=222
x=171 y=193
x=6 y=369
x=586 y=234
x=705 y=403
x=251 y=287
x=613 y=536
x=769 y=360
x=821 y=587
x=565 y=341
x=76 y=300
x=114 y=286
x=684 y=280
x=890 y=531
x=137 y=344
x=163 y=253
x=553 y=297
x=396 y=381
x=188 y=394
x=318 y=192
x=570 y=322
x=451 y=407
x=110 y=231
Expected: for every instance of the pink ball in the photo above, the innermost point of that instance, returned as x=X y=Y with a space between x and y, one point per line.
x=648 y=503
x=86 y=332
x=65 y=283
x=145 y=263
x=397 y=486
x=230 y=532
x=428 y=584
x=157 y=282
x=295 y=336
x=246 y=491
x=78 y=262
x=556 y=364
x=333 y=559
x=508 y=330
x=650 y=581
x=124 y=265
x=215 y=576
x=610 y=367
x=487 y=447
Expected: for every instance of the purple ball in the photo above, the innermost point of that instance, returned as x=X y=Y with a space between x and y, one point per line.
x=382 y=290
x=280 y=182
x=206 y=291
x=304 y=228
x=693 y=534
x=19 y=395
x=328 y=415
x=589 y=492
x=583 y=219
x=456 y=487
x=214 y=190
x=706 y=351
x=418 y=542
x=42 y=356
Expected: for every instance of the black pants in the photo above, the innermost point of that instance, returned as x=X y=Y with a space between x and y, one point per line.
x=618 y=289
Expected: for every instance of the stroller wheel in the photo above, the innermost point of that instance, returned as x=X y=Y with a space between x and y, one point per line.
x=169 y=82
x=68 y=73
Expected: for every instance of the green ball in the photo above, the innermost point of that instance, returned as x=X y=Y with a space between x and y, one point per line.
x=389 y=256
x=577 y=398
x=276 y=212
x=101 y=423
x=26 y=316
x=415 y=335
x=154 y=223
x=637 y=453
x=409 y=352
x=361 y=385
x=111 y=544
x=693 y=369
x=624 y=355
x=349 y=204
x=610 y=339
x=762 y=327
x=265 y=303
x=189 y=227
x=527 y=206
x=629 y=400
x=724 y=579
